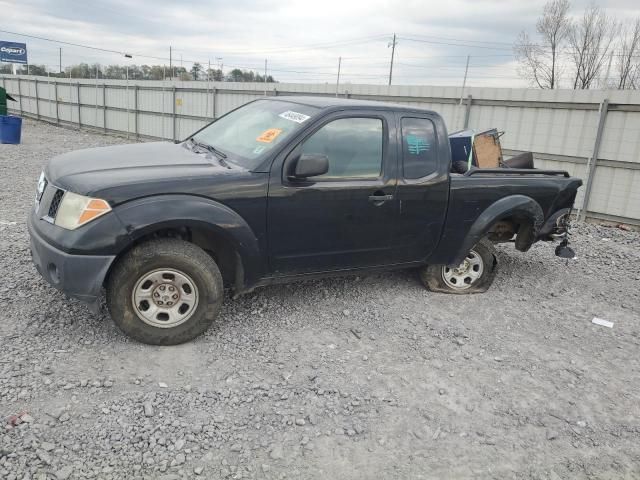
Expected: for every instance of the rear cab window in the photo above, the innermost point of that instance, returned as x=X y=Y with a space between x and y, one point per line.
x=419 y=147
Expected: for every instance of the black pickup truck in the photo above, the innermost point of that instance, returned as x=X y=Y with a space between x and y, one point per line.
x=279 y=189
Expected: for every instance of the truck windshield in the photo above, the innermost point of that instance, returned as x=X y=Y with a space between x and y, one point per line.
x=251 y=131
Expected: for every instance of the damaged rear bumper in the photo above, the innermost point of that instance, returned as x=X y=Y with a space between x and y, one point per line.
x=556 y=227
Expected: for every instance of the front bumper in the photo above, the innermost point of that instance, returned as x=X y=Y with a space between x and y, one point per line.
x=79 y=276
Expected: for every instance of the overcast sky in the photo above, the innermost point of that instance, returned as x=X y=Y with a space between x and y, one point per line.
x=301 y=40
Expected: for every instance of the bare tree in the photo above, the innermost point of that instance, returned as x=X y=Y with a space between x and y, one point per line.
x=627 y=65
x=539 y=62
x=590 y=39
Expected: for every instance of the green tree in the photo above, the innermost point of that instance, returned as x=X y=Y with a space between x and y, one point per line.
x=81 y=70
x=157 y=72
x=195 y=70
x=114 y=72
x=39 y=70
x=215 y=74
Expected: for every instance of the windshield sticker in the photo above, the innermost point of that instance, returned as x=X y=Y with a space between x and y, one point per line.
x=259 y=149
x=269 y=136
x=295 y=116
x=417 y=145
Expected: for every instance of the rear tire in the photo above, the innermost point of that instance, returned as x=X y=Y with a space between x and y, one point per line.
x=474 y=275
x=165 y=292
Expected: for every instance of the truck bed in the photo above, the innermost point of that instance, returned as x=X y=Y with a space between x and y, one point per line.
x=473 y=193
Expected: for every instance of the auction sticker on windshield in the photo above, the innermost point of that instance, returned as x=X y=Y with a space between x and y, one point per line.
x=269 y=135
x=295 y=116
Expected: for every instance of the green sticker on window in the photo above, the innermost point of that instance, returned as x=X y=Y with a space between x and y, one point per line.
x=416 y=145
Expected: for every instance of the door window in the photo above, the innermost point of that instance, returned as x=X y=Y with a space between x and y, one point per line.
x=353 y=145
x=419 y=151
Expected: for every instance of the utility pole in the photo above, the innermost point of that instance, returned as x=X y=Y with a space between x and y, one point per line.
x=265 y=77
x=393 y=51
x=338 y=80
x=220 y=65
x=170 y=64
x=60 y=51
x=464 y=81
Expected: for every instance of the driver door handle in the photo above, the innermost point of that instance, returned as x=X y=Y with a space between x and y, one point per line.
x=379 y=198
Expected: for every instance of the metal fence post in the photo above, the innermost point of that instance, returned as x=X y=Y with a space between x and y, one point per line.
x=164 y=117
x=20 y=96
x=95 y=111
x=55 y=92
x=49 y=97
x=104 y=107
x=37 y=100
x=214 y=92
x=135 y=111
x=593 y=161
x=78 y=95
x=70 y=101
x=173 y=110
x=467 y=111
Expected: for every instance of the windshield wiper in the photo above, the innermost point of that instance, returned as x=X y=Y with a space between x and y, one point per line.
x=221 y=155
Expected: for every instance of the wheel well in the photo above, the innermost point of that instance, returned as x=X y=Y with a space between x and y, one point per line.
x=219 y=248
x=504 y=230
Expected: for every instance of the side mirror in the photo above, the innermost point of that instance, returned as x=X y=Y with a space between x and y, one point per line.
x=311 y=165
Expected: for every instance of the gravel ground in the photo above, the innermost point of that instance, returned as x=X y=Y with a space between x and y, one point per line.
x=359 y=377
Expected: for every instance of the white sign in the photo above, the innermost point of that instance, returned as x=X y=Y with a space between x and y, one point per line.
x=295 y=116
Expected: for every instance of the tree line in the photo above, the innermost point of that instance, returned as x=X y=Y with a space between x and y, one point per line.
x=589 y=50
x=142 y=72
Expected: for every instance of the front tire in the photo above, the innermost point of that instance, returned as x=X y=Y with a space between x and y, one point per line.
x=474 y=275
x=165 y=292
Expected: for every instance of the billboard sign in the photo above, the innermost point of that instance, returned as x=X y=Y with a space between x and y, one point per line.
x=13 y=52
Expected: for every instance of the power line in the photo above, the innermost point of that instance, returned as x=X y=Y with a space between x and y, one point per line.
x=458 y=39
x=63 y=42
x=308 y=47
x=328 y=71
x=467 y=45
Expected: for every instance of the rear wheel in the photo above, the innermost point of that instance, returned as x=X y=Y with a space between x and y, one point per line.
x=474 y=275
x=165 y=292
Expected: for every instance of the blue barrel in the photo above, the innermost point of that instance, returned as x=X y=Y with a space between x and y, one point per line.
x=10 y=129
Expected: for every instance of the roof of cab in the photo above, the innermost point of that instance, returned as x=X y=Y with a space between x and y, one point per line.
x=337 y=103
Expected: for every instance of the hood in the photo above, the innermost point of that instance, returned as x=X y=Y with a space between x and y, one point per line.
x=152 y=165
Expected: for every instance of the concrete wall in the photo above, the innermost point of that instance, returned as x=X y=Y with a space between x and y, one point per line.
x=559 y=126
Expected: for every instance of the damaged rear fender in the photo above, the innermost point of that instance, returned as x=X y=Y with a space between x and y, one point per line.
x=525 y=209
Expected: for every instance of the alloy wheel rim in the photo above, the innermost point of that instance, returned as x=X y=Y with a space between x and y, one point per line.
x=466 y=274
x=165 y=298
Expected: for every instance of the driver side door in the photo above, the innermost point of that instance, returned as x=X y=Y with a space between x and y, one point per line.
x=343 y=219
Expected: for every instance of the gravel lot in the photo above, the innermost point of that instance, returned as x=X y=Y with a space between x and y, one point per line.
x=359 y=377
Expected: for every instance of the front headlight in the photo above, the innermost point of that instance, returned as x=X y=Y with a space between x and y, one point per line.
x=76 y=210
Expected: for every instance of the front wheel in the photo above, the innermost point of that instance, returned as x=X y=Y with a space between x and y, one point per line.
x=474 y=275
x=165 y=292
